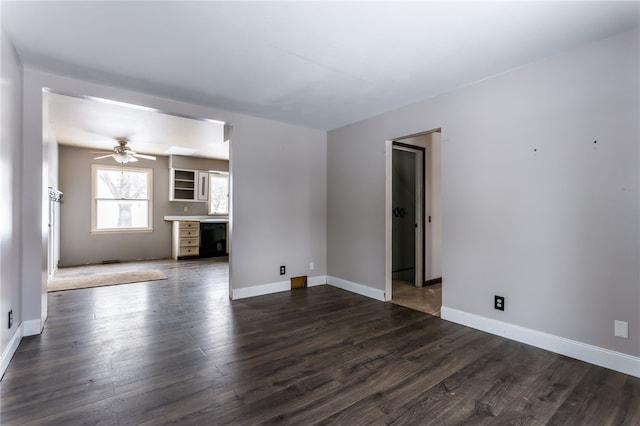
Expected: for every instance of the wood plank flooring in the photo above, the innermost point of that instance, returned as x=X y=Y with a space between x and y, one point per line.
x=179 y=351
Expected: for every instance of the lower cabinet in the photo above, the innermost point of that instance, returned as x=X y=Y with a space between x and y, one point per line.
x=186 y=239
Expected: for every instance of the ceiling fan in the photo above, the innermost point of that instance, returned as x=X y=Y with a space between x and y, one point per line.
x=122 y=153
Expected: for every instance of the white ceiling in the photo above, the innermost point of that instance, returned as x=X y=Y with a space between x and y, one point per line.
x=96 y=123
x=315 y=64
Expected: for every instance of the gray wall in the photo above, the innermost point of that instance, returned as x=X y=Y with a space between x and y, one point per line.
x=198 y=163
x=278 y=179
x=532 y=208
x=10 y=192
x=278 y=189
x=79 y=246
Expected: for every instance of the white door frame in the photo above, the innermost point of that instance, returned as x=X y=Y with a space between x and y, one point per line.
x=388 y=219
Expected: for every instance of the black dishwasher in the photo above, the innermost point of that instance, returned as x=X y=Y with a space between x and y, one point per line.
x=213 y=239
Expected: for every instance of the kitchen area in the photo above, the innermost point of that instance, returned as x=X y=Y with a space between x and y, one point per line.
x=198 y=236
x=199 y=180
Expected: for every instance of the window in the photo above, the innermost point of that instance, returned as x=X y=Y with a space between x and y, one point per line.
x=121 y=199
x=218 y=193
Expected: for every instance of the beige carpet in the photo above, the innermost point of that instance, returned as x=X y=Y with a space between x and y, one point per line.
x=92 y=280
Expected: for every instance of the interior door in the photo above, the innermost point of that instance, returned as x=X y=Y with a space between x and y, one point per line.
x=407 y=220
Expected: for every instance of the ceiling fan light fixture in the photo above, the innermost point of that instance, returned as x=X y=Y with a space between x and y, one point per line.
x=121 y=158
x=123 y=154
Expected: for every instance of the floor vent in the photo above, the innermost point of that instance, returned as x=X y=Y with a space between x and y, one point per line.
x=298 y=282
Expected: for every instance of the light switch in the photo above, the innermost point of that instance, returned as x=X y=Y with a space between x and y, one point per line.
x=621 y=329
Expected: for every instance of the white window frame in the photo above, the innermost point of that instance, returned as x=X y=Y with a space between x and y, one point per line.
x=94 y=201
x=218 y=174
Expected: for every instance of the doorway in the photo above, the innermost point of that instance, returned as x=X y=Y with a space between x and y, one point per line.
x=413 y=222
x=204 y=145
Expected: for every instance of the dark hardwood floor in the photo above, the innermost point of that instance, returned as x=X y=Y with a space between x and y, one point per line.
x=178 y=351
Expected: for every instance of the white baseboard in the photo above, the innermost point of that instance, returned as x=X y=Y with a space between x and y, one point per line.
x=617 y=361
x=363 y=290
x=318 y=280
x=260 y=290
x=31 y=327
x=10 y=350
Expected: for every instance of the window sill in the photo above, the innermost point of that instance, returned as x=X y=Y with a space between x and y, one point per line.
x=122 y=231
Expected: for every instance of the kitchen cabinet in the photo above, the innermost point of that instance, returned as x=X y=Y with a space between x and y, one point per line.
x=203 y=185
x=188 y=185
x=182 y=184
x=186 y=239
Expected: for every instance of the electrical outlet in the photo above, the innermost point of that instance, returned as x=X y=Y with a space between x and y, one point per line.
x=185 y=209
x=498 y=303
x=10 y=318
x=283 y=270
x=312 y=266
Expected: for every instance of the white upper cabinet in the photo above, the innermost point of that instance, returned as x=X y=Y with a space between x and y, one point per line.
x=202 y=185
x=188 y=185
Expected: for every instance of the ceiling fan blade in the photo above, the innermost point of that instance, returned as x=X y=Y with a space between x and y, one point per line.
x=103 y=156
x=122 y=153
x=145 y=156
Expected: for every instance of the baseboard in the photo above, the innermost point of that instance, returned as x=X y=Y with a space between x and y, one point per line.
x=613 y=360
x=260 y=290
x=433 y=281
x=31 y=327
x=363 y=290
x=10 y=350
x=317 y=280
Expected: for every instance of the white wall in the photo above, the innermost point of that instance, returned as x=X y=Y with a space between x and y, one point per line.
x=278 y=187
x=532 y=209
x=10 y=198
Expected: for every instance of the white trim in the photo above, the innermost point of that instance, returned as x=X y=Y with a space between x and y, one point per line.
x=388 y=219
x=95 y=168
x=318 y=280
x=10 y=350
x=259 y=290
x=31 y=327
x=613 y=360
x=363 y=290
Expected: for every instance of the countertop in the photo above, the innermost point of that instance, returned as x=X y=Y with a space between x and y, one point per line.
x=207 y=219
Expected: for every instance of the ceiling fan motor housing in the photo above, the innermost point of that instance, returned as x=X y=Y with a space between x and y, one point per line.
x=123 y=154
